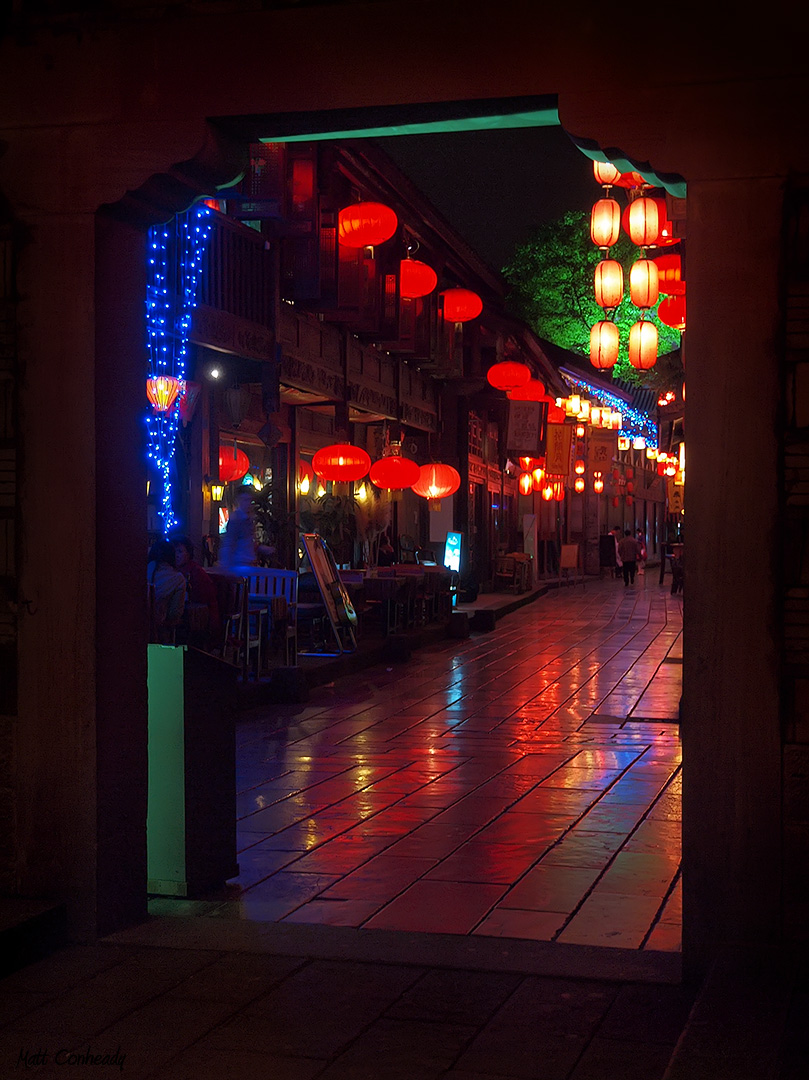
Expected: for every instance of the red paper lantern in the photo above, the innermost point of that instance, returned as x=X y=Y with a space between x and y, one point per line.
x=416 y=279
x=665 y=237
x=672 y=312
x=670 y=274
x=162 y=391
x=341 y=462
x=533 y=390
x=605 y=223
x=436 y=481
x=630 y=180
x=366 y=224
x=305 y=471
x=461 y=305
x=526 y=463
x=643 y=345
x=609 y=283
x=579 y=467
x=642 y=221
x=558 y=490
x=538 y=477
x=604 y=343
x=394 y=473
x=556 y=414
x=605 y=173
x=508 y=375
x=644 y=288
x=525 y=483
x=578 y=484
x=598 y=485
x=547 y=492
x=233 y=463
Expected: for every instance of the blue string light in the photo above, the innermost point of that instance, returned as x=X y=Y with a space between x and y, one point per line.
x=634 y=423
x=174 y=272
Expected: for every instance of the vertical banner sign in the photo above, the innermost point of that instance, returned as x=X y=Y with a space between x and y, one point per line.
x=602 y=447
x=523 y=427
x=559 y=448
x=675 y=495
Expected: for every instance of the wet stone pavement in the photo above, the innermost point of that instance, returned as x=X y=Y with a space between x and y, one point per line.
x=521 y=784
x=432 y=858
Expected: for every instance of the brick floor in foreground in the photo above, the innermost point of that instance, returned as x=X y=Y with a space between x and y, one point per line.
x=521 y=784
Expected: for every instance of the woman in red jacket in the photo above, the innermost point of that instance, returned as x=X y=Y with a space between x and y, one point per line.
x=201 y=592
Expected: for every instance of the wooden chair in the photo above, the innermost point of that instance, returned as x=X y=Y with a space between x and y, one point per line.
x=242 y=624
x=505 y=573
x=277 y=592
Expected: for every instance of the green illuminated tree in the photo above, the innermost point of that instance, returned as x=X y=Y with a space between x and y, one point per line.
x=550 y=283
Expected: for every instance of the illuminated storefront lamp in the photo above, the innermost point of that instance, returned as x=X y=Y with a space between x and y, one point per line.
x=623 y=442
x=461 y=305
x=436 y=482
x=604 y=343
x=639 y=443
x=416 y=279
x=608 y=281
x=366 y=224
x=162 y=392
x=643 y=345
x=217 y=491
x=341 y=462
x=508 y=375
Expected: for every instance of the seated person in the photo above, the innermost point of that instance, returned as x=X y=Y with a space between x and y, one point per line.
x=169 y=590
x=385 y=555
x=201 y=592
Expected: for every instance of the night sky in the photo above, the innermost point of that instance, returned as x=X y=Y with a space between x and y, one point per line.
x=496 y=187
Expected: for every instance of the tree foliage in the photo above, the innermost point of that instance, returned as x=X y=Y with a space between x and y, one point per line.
x=550 y=283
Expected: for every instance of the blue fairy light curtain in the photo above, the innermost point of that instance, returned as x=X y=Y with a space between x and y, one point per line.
x=174 y=272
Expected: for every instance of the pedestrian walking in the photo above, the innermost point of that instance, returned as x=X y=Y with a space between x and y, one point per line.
x=642 y=551
x=629 y=551
x=616 y=535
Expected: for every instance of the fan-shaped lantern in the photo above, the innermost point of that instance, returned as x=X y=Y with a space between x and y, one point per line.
x=605 y=173
x=643 y=345
x=525 y=483
x=672 y=312
x=393 y=473
x=416 y=279
x=642 y=221
x=604 y=342
x=162 y=391
x=461 y=305
x=605 y=223
x=436 y=482
x=630 y=180
x=609 y=283
x=233 y=463
x=508 y=375
x=644 y=288
x=189 y=396
x=670 y=274
x=366 y=224
x=341 y=462
x=533 y=390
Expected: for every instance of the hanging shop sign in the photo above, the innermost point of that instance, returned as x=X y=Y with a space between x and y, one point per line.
x=524 y=418
x=602 y=447
x=559 y=449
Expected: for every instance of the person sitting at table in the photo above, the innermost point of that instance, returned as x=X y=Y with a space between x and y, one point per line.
x=169 y=590
x=201 y=594
x=385 y=555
